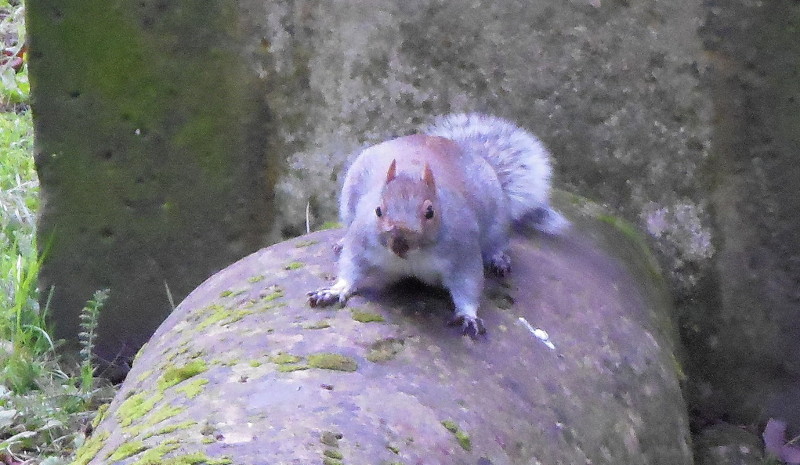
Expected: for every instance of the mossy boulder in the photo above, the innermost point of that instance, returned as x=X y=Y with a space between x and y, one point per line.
x=244 y=371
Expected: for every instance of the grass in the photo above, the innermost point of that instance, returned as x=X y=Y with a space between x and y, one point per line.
x=45 y=407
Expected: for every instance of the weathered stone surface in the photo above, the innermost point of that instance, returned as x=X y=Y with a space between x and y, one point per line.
x=151 y=149
x=726 y=444
x=745 y=345
x=244 y=371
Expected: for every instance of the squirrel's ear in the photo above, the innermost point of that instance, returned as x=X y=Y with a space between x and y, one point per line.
x=392 y=171
x=427 y=176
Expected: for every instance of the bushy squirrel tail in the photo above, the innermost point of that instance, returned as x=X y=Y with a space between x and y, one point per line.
x=521 y=162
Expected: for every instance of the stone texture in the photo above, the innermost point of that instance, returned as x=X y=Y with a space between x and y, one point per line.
x=151 y=149
x=726 y=444
x=746 y=350
x=244 y=371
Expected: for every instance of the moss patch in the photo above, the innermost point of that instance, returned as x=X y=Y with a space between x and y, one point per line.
x=255 y=279
x=155 y=456
x=137 y=406
x=384 y=350
x=291 y=368
x=126 y=450
x=283 y=358
x=89 y=449
x=330 y=361
x=275 y=293
x=192 y=388
x=294 y=266
x=171 y=428
x=367 y=317
x=461 y=436
x=175 y=375
x=100 y=415
x=322 y=324
x=305 y=243
x=144 y=375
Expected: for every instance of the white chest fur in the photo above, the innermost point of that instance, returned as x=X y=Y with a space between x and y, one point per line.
x=418 y=264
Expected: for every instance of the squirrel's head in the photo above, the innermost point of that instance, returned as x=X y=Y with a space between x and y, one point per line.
x=408 y=216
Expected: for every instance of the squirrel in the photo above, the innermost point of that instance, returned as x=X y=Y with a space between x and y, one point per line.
x=440 y=206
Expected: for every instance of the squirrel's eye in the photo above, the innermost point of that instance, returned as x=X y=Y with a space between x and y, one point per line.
x=429 y=212
x=378 y=212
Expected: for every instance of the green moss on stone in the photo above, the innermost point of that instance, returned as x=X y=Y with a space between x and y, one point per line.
x=276 y=293
x=126 y=450
x=331 y=461
x=155 y=455
x=175 y=375
x=192 y=388
x=291 y=368
x=330 y=361
x=322 y=324
x=333 y=453
x=284 y=358
x=461 y=436
x=137 y=406
x=144 y=375
x=255 y=279
x=293 y=266
x=168 y=411
x=226 y=293
x=89 y=449
x=100 y=415
x=366 y=317
x=329 y=225
x=384 y=350
x=305 y=243
x=171 y=428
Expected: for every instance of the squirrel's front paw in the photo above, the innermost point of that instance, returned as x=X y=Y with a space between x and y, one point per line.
x=500 y=264
x=339 y=292
x=322 y=297
x=470 y=325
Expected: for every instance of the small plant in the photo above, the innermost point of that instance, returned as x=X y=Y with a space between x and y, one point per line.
x=89 y=317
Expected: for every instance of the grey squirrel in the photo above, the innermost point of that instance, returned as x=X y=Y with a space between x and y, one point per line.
x=439 y=206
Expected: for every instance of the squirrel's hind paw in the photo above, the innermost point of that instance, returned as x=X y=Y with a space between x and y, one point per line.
x=470 y=325
x=500 y=264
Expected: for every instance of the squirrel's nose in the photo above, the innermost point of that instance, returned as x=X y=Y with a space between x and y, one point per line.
x=399 y=245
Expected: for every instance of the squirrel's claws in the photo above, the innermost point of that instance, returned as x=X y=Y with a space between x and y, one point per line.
x=323 y=297
x=470 y=325
x=500 y=264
